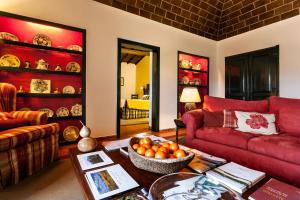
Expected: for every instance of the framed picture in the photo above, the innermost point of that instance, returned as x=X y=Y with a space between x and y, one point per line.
x=122 y=81
x=40 y=86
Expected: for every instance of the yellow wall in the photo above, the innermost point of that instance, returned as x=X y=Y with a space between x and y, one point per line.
x=142 y=74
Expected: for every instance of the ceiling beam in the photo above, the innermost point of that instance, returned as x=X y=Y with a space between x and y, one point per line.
x=135 y=52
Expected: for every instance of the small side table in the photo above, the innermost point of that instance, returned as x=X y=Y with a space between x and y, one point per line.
x=179 y=124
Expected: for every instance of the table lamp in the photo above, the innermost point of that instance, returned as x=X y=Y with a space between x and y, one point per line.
x=190 y=96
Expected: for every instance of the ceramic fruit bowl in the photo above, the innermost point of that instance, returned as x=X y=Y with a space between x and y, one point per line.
x=156 y=165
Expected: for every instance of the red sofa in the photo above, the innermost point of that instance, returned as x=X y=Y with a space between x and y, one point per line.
x=277 y=155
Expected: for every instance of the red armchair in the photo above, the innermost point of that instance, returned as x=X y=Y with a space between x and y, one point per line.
x=27 y=143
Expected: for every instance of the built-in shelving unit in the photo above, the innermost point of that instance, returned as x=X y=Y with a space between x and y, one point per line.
x=193 y=71
x=58 y=53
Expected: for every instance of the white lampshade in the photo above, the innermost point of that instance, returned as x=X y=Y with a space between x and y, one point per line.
x=190 y=95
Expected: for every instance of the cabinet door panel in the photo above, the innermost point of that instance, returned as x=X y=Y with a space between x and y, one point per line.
x=236 y=80
x=263 y=70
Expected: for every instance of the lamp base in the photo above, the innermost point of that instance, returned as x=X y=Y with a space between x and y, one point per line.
x=189 y=106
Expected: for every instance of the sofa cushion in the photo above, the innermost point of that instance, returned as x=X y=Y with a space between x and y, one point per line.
x=19 y=136
x=226 y=136
x=283 y=147
x=220 y=104
x=289 y=118
x=213 y=119
x=277 y=103
x=12 y=123
x=258 y=123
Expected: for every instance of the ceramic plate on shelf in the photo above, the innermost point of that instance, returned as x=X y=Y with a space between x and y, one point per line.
x=76 y=110
x=71 y=133
x=11 y=60
x=185 y=80
x=69 y=89
x=48 y=111
x=62 y=112
x=73 y=67
x=75 y=47
x=8 y=36
x=42 y=40
x=197 y=67
x=40 y=86
x=185 y=64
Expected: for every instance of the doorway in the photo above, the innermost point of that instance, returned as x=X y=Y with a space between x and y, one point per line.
x=137 y=88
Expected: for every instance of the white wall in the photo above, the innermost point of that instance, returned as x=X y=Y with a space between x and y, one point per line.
x=128 y=72
x=286 y=34
x=104 y=25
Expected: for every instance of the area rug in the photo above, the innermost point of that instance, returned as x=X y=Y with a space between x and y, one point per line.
x=56 y=182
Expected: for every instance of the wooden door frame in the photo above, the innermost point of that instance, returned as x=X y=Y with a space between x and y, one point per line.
x=155 y=83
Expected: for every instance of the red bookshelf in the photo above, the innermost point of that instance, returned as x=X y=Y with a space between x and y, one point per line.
x=61 y=36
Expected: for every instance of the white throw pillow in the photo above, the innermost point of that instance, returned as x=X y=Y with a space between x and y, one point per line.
x=254 y=122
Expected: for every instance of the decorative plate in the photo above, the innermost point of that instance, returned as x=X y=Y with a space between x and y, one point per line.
x=185 y=80
x=185 y=64
x=8 y=36
x=197 y=67
x=73 y=67
x=42 y=40
x=75 y=47
x=4 y=63
x=76 y=110
x=71 y=133
x=62 y=112
x=12 y=60
x=48 y=111
x=40 y=86
x=69 y=89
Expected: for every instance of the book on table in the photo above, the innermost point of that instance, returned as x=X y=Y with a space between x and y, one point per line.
x=108 y=181
x=235 y=176
x=93 y=160
x=276 y=190
x=203 y=162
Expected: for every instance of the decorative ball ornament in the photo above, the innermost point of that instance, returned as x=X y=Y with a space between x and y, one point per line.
x=85 y=132
x=87 y=144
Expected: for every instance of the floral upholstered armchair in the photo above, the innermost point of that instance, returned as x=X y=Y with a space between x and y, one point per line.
x=27 y=143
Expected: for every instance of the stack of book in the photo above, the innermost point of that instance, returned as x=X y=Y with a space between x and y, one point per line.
x=276 y=190
x=236 y=177
x=203 y=162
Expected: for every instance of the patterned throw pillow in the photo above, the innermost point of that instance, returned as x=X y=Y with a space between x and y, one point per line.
x=212 y=119
x=230 y=120
x=254 y=122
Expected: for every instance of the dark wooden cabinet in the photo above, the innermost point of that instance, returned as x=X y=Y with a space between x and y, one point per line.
x=253 y=75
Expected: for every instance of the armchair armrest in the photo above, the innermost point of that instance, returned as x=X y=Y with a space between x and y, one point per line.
x=34 y=117
x=193 y=121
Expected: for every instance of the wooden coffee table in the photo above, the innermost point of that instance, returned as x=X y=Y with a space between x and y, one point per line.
x=142 y=177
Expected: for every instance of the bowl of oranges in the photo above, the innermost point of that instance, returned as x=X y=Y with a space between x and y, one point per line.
x=159 y=157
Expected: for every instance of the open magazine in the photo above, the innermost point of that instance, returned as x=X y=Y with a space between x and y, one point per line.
x=93 y=160
x=109 y=181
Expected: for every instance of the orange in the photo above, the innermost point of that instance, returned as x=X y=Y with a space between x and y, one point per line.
x=179 y=153
x=172 y=156
x=145 y=140
x=164 y=149
x=150 y=153
x=155 y=148
x=160 y=155
x=141 y=150
x=174 y=147
x=135 y=146
x=147 y=146
x=166 y=144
